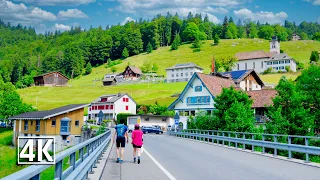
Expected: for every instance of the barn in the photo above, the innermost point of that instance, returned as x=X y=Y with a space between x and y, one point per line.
x=51 y=79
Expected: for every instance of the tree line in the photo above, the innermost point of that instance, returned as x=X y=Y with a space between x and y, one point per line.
x=25 y=54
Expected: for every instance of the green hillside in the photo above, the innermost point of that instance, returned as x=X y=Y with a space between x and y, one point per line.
x=87 y=88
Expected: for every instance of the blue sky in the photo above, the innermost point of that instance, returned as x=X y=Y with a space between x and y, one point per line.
x=62 y=14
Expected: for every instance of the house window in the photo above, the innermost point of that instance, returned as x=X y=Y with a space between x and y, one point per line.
x=127 y=108
x=181 y=113
x=111 y=106
x=254 y=65
x=281 y=67
x=127 y=100
x=198 y=100
x=275 y=68
x=246 y=66
x=186 y=113
x=31 y=123
x=181 y=74
x=187 y=74
x=107 y=106
x=37 y=125
x=198 y=88
x=25 y=125
x=275 y=62
x=281 y=62
x=124 y=99
x=269 y=63
x=64 y=137
x=261 y=64
x=287 y=61
x=76 y=123
x=172 y=75
x=193 y=113
x=101 y=107
x=238 y=66
x=177 y=75
x=172 y=70
x=191 y=73
x=147 y=119
x=53 y=122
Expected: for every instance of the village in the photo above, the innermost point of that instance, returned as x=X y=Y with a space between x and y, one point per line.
x=68 y=123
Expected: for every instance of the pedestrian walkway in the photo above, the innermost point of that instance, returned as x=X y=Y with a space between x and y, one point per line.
x=128 y=170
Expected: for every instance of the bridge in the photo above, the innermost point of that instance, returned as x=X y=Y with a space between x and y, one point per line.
x=192 y=154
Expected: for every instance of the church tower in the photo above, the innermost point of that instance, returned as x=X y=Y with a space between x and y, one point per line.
x=275 y=45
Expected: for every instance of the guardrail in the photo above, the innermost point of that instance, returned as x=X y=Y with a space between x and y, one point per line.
x=89 y=153
x=254 y=140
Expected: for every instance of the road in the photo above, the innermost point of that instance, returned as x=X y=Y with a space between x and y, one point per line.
x=189 y=160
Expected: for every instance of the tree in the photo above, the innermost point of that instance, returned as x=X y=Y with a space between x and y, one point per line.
x=303 y=36
x=113 y=69
x=225 y=27
x=216 y=39
x=316 y=36
x=314 y=57
x=196 y=43
x=226 y=63
x=253 y=32
x=88 y=68
x=176 y=42
x=191 y=32
x=125 y=53
x=146 y=67
x=149 y=48
x=289 y=115
x=154 y=68
x=233 y=111
x=206 y=18
x=266 y=32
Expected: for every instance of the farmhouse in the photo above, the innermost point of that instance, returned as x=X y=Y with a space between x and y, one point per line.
x=201 y=90
x=182 y=72
x=295 y=37
x=150 y=120
x=64 y=123
x=111 y=105
x=51 y=79
x=261 y=61
x=132 y=72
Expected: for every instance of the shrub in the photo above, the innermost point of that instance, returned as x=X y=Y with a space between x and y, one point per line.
x=288 y=69
x=268 y=71
x=113 y=63
x=197 y=50
x=300 y=66
x=88 y=68
x=122 y=118
x=216 y=39
x=281 y=51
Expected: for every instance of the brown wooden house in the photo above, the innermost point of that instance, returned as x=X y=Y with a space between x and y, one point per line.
x=132 y=72
x=51 y=79
x=109 y=81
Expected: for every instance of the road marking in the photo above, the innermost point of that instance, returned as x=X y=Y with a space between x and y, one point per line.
x=159 y=165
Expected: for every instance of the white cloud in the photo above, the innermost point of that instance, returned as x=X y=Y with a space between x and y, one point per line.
x=213 y=18
x=318 y=20
x=72 y=13
x=62 y=27
x=314 y=2
x=20 y=13
x=218 y=10
x=262 y=16
x=56 y=2
x=126 y=20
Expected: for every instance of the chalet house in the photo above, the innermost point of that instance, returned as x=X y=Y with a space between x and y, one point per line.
x=182 y=72
x=261 y=61
x=201 y=90
x=295 y=37
x=111 y=105
x=64 y=123
x=51 y=79
x=132 y=72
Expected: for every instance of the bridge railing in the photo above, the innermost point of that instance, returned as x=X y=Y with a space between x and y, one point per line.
x=89 y=153
x=271 y=141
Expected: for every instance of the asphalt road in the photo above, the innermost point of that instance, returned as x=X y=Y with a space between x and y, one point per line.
x=186 y=159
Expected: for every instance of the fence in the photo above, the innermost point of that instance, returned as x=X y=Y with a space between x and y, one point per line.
x=237 y=139
x=89 y=153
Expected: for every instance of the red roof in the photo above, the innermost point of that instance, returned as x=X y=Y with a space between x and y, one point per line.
x=136 y=70
x=253 y=55
x=262 y=98
x=215 y=84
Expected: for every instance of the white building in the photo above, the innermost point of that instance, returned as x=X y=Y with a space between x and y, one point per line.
x=150 y=120
x=261 y=61
x=182 y=72
x=111 y=105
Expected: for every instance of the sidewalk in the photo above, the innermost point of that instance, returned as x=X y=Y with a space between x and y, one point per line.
x=146 y=170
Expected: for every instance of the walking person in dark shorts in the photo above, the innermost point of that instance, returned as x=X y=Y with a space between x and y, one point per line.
x=137 y=142
x=122 y=135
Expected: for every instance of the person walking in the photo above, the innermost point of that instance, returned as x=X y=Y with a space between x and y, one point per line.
x=122 y=135
x=137 y=142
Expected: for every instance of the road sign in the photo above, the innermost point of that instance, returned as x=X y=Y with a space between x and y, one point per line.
x=176 y=119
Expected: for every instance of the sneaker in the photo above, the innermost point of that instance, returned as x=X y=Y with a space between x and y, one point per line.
x=118 y=160
x=138 y=160
x=134 y=160
x=121 y=161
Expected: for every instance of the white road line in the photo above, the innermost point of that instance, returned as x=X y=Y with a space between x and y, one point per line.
x=159 y=165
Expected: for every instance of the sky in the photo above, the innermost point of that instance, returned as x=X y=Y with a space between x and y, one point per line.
x=51 y=15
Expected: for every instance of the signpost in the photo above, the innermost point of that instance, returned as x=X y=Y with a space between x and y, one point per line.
x=176 y=121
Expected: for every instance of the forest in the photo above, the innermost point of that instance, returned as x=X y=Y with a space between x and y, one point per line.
x=25 y=54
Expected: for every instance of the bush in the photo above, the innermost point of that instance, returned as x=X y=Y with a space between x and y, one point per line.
x=300 y=66
x=113 y=63
x=197 y=50
x=288 y=69
x=88 y=69
x=281 y=51
x=122 y=118
x=125 y=53
x=268 y=71
x=216 y=39
x=149 y=48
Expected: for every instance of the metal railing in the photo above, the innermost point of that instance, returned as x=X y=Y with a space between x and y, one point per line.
x=89 y=153
x=236 y=139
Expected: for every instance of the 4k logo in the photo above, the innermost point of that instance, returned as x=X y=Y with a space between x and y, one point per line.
x=35 y=149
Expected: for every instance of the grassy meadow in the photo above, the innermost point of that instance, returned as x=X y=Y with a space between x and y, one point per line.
x=84 y=89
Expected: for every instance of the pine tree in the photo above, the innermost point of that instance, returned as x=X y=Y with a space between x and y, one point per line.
x=125 y=53
x=225 y=27
x=88 y=68
x=176 y=42
x=206 y=18
x=216 y=39
x=314 y=56
x=149 y=48
x=231 y=20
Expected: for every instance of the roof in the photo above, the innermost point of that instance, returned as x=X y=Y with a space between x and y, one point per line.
x=52 y=73
x=114 y=98
x=49 y=113
x=135 y=69
x=185 y=65
x=282 y=56
x=253 y=55
x=108 y=79
x=238 y=76
x=262 y=98
x=215 y=84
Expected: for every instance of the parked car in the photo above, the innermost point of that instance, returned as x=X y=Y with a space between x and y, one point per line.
x=156 y=126
x=147 y=130
x=130 y=128
x=2 y=124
